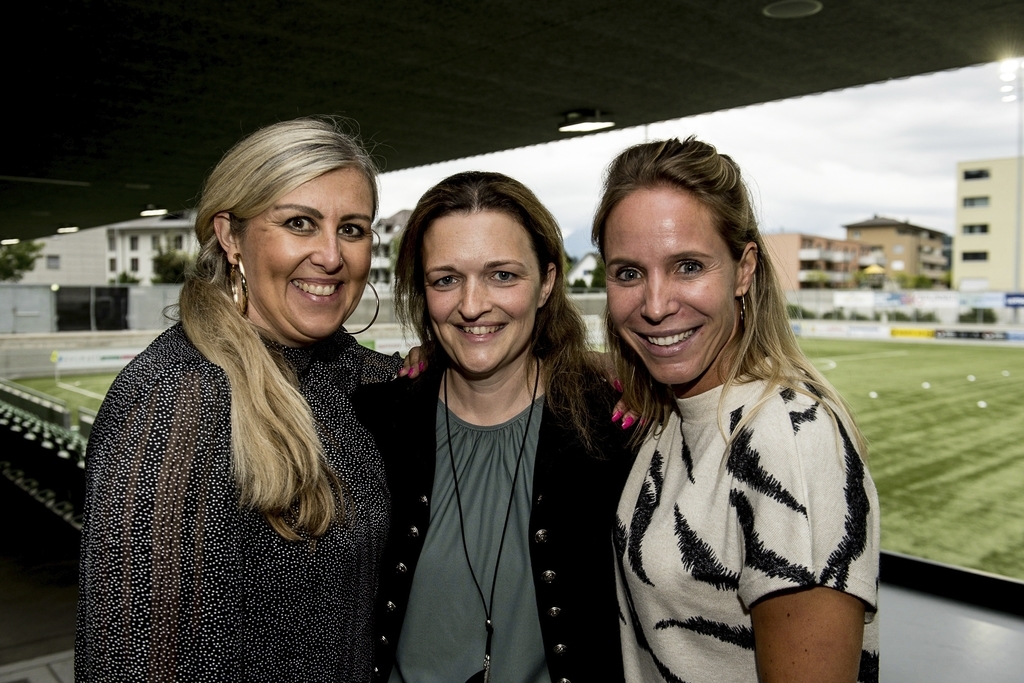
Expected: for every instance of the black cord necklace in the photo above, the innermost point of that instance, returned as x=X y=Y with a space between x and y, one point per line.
x=484 y=675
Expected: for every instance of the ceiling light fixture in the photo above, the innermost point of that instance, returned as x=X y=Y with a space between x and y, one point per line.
x=9 y=243
x=153 y=212
x=792 y=9
x=585 y=121
x=67 y=230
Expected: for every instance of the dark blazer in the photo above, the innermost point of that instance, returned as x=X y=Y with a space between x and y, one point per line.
x=574 y=500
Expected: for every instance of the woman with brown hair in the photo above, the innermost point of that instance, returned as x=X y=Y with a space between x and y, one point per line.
x=503 y=465
x=236 y=510
x=747 y=532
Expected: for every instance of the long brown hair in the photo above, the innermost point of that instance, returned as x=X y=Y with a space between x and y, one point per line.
x=277 y=458
x=559 y=335
x=766 y=348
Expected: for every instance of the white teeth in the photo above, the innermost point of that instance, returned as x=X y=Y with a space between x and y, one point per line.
x=481 y=330
x=669 y=341
x=318 y=290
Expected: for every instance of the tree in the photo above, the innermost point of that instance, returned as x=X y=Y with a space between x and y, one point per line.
x=126 y=278
x=18 y=259
x=169 y=267
x=597 y=280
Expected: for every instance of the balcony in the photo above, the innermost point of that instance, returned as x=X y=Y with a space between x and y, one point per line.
x=826 y=255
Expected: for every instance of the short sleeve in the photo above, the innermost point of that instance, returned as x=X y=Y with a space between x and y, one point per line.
x=806 y=508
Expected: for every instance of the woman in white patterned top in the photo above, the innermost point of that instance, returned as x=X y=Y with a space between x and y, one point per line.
x=747 y=532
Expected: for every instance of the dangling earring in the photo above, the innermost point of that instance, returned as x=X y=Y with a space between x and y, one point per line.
x=743 y=309
x=375 y=313
x=239 y=287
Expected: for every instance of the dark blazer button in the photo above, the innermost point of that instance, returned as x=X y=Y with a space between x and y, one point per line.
x=552 y=611
x=560 y=649
x=548 y=576
x=541 y=536
x=401 y=568
x=414 y=532
x=390 y=606
x=424 y=500
x=384 y=641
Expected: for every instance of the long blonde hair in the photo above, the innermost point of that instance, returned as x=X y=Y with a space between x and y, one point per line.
x=766 y=348
x=277 y=457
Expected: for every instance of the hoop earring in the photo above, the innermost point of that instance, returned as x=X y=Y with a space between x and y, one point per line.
x=239 y=287
x=375 y=313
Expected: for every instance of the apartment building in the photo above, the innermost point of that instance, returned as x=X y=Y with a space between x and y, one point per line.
x=987 y=249
x=811 y=261
x=97 y=256
x=905 y=248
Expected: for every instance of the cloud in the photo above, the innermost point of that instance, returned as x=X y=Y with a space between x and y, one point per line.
x=813 y=163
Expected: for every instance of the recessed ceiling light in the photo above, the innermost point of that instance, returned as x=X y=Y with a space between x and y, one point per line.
x=792 y=9
x=1009 y=98
x=67 y=230
x=8 y=243
x=585 y=121
x=1006 y=88
x=153 y=212
x=1007 y=76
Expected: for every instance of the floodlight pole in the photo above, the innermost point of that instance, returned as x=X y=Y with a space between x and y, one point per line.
x=1020 y=179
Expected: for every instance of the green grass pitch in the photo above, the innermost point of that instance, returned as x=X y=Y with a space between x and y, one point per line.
x=96 y=384
x=949 y=472
x=950 y=475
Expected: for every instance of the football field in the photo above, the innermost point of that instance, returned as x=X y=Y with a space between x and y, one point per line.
x=945 y=423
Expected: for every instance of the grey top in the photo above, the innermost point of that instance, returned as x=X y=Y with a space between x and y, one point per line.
x=443 y=636
x=177 y=581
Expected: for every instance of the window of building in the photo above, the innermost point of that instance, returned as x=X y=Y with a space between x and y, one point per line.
x=155 y=242
x=976 y=229
x=111 y=243
x=855 y=235
x=179 y=242
x=113 y=265
x=975 y=201
x=897 y=249
x=53 y=262
x=976 y=174
x=133 y=242
x=806 y=244
x=975 y=256
x=134 y=264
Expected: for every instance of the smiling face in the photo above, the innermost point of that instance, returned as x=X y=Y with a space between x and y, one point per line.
x=672 y=287
x=483 y=288
x=307 y=257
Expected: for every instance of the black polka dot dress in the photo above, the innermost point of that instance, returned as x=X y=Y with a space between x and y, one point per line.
x=180 y=584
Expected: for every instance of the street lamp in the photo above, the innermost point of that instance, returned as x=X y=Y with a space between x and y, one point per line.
x=1011 y=71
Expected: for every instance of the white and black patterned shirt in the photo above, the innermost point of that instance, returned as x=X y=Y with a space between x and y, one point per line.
x=704 y=530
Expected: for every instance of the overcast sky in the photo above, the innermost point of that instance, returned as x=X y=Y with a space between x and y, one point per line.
x=813 y=163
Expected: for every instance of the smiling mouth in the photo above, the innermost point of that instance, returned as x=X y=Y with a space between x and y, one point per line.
x=317 y=290
x=669 y=341
x=480 y=329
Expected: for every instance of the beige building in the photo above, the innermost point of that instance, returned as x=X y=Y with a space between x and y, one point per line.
x=902 y=247
x=811 y=261
x=986 y=226
x=97 y=256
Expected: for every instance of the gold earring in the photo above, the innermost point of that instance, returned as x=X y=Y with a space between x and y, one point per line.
x=239 y=287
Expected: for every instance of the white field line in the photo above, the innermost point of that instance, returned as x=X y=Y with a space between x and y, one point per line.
x=79 y=390
x=826 y=364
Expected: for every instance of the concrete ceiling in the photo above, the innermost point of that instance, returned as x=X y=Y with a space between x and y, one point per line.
x=113 y=105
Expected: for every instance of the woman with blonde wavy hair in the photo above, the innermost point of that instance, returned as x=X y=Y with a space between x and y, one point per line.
x=236 y=509
x=747 y=532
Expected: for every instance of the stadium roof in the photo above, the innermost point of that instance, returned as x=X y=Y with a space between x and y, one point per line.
x=114 y=105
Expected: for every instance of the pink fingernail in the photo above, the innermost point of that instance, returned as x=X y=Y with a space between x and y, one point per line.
x=643 y=421
x=616 y=415
x=421 y=366
x=628 y=422
x=403 y=372
x=618 y=386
